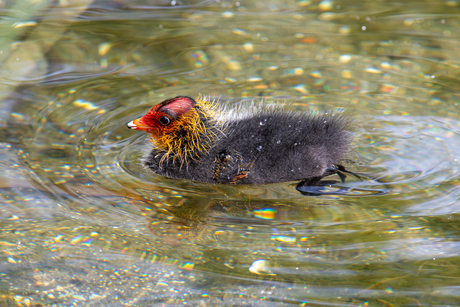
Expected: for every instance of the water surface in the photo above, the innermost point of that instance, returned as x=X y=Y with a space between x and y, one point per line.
x=83 y=224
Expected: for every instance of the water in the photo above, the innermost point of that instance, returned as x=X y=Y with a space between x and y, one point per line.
x=83 y=224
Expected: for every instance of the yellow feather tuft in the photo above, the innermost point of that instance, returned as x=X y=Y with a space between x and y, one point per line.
x=194 y=133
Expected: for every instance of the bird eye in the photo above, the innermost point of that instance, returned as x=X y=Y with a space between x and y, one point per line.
x=164 y=120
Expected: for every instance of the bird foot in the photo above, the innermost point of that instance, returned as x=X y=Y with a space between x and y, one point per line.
x=315 y=186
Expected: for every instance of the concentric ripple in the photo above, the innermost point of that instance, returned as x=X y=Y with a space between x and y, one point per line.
x=407 y=170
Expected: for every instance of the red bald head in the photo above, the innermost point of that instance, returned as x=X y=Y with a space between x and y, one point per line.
x=162 y=117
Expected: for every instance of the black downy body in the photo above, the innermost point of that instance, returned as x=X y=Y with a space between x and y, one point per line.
x=266 y=147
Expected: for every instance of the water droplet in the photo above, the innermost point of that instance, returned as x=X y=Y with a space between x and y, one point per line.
x=261 y=267
x=228 y=14
x=259 y=148
x=262 y=123
x=373 y=70
x=239 y=32
x=277 y=142
x=254 y=79
x=104 y=48
x=249 y=47
x=295 y=144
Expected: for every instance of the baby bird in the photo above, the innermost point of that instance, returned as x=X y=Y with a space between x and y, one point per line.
x=203 y=141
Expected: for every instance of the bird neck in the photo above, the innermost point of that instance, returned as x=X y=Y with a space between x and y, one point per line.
x=195 y=134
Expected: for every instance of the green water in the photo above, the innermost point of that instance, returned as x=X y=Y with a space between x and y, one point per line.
x=84 y=225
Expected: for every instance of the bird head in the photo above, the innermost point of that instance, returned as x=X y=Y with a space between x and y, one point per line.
x=166 y=117
x=180 y=126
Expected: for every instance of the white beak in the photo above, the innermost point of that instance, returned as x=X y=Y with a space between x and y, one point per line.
x=131 y=125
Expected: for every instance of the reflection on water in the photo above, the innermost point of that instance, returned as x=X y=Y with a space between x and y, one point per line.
x=84 y=224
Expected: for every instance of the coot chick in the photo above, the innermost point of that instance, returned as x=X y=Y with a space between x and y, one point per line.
x=203 y=141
